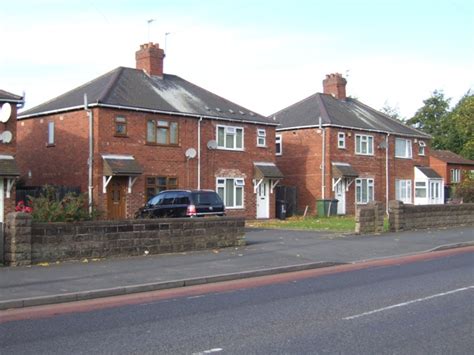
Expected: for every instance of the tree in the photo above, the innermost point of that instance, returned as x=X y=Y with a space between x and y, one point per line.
x=432 y=117
x=462 y=118
x=391 y=111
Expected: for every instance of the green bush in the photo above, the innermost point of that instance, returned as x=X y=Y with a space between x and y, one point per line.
x=465 y=189
x=49 y=208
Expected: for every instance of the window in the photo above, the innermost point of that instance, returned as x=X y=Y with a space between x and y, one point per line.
x=261 y=138
x=156 y=184
x=120 y=126
x=455 y=175
x=278 y=144
x=403 y=190
x=162 y=132
x=364 y=190
x=420 y=189
x=341 y=140
x=364 y=145
x=403 y=148
x=231 y=191
x=421 y=148
x=229 y=137
x=50 y=133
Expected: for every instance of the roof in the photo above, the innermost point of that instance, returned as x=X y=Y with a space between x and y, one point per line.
x=8 y=166
x=133 y=89
x=121 y=165
x=6 y=96
x=451 y=158
x=428 y=172
x=267 y=170
x=343 y=170
x=347 y=113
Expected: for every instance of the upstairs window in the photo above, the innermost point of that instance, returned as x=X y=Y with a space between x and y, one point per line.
x=455 y=175
x=261 y=138
x=421 y=148
x=229 y=137
x=120 y=126
x=50 y=133
x=341 y=140
x=162 y=132
x=403 y=148
x=278 y=145
x=364 y=144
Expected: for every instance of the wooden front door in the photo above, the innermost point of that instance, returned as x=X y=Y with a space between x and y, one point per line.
x=116 y=198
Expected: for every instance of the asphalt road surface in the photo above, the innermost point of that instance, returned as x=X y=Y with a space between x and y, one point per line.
x=422 y=306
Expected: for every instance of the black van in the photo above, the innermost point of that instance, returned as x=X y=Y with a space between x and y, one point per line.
x=183 y=203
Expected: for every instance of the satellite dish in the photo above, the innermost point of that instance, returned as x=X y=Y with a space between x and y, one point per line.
x=212 y=144
x=6 y=136
x=190 y=153
x=5 y=112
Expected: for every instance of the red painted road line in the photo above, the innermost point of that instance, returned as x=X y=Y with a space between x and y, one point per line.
x=153 y=296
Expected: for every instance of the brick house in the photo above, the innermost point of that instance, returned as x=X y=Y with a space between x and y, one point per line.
x=147 y=131
x=8 y=147
x=451 y=167
x=331 y=146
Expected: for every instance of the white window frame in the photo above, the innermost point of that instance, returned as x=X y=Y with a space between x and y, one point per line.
x=228 y=131
x=408 y=154
x=369 y=193
x=51 y=133
x=455 y=175
x=364 y=139
x=421 y=188
x=421 y=148
x=403 y=190
x=341 y=140
x=278 y=144
x=261 y=137
x=238 y=184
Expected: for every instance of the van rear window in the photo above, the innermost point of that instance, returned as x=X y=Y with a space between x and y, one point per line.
x=206 y=198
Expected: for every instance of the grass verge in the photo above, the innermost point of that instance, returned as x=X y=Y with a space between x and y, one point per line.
x=332 y=223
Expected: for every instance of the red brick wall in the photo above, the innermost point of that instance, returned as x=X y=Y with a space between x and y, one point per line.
x=66 y=163
x=301 y=162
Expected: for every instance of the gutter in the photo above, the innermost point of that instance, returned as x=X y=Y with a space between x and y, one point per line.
x=130 y=108
x=356 y=129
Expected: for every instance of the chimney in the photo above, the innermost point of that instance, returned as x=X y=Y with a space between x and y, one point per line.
x=150 y=59
x=335 y=85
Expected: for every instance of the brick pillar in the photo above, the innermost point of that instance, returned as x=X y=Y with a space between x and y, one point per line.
x=18 y=239
x=396 y=216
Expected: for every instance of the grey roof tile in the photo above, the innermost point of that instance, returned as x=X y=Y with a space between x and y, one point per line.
x=349 y=113
x=134 y=89
x=450 y=157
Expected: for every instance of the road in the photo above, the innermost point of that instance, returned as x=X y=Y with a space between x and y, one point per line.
x=423 y=306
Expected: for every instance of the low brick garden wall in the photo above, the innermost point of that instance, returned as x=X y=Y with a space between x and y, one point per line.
x=28 y=242
x=369 y=218
x=408 y=217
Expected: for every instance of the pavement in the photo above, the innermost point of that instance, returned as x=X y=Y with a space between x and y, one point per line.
x=267 y=252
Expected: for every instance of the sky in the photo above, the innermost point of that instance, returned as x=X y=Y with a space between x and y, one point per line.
x=263 y=55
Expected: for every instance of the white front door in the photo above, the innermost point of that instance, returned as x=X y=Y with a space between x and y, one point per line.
x=435 y=192
x=340 y=194
x=2 y=200
x=263 y=199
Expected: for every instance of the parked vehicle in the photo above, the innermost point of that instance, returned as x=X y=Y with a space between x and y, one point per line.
x=183 y=203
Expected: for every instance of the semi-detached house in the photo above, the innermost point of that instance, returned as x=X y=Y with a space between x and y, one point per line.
x=143 y=131
x=331 y=146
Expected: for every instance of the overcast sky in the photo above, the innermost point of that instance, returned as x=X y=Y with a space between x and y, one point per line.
x=264 y=55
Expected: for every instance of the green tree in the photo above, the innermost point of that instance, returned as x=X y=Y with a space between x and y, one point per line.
x=461 y=138
x=432 y=118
